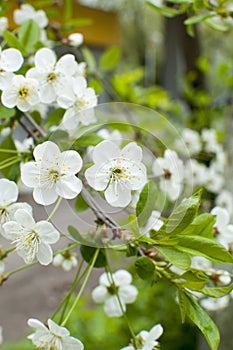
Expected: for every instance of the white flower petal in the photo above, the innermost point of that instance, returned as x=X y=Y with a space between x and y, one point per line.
x=47 y=150
x=112 y=307
x=122 y=277
x=44 y=254
x=47 y=93
x=34 y=323
x=45 y=196
x=105 y=279
x=128 y=294
x=68 y=187
x=47 y=232
x=8 y=192
x=9 y=98
x=155 y=332
x=57 y=330
x=97 y=178
x=11 y=230
x=30 y=174
x=71 y=162
x=99 y=294
x=24 y=218
x=23 y=105
x=67 y=65
x=132 y=151
x=45 y=60
x=222 y=218
x=70 y=343
x=11 y=60
x=104 y=151
x=118 y=195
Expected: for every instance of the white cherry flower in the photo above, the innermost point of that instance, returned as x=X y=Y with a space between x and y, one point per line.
x=111 y=286
x=223 y=230
x=170 y=170
x=53 y=76
x=52 y=337
x=209 y=138
x=22 y=92
x=8 y=196
x=78 y=102
x=31 y=239
x=191 y=140
x=195 y=172
x=75 y=39
x=225 y=200
x=66 y=260
x=213 y=180
x=27 y=12
x=52 y=174
x=147 y=340
x=11 y=61
x=214 y=304
x=4 y=23
x=117 y=172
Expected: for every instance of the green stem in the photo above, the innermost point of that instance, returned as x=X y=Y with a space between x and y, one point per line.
x=82 y=287
x=10 y=163
x=74 y=285
x=3 y=162
x=54 y=209
x=3 y=150
x=23 y=267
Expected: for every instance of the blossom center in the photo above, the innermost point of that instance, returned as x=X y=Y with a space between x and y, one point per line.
x=23 y=92
x=112 y=289
x=117 y=173
x=167 y=174
x=54 y=175
x=51 y=77
x=29 y=243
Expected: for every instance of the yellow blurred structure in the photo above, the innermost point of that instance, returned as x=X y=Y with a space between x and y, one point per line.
x=103 y=31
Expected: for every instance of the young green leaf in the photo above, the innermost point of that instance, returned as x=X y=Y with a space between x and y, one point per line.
x=110 y=58
x=13 y=42
x=145 y=268
x=202 y=225
x=182 y=216
x=194 y=280
x=81 y=204
x=29 y=34
x=146 y=203
x=217 y=292
x=202 y=246
x=175 y=257
x=202 y=320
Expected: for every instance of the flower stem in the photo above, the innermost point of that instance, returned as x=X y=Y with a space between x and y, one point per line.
x=82 y=287
x=10 y=163
x=54 y=209
x=23 y=267
x=3 y=150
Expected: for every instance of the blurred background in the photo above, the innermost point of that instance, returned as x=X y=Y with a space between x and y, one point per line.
x=134 y=54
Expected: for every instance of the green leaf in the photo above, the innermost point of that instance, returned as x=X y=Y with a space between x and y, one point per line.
x=96 y=85
x=88 y=140
x=76 y=234
x=88 y=254
x=146 y=203
x=13 y=42
x=11 y=172
x=202 y=246
x=182 y=216
x=54 y=118
x=61 y=138
x=182 y=305
x=175 y=257
x=202 y=225
x=202 y=320
x=145 y=268
x=81 y=204
x=110 y=58
x=197 y=18
x=89 y=59
x=217 y=292
x=220 y=27
x=7 y=113
x=29 y=34
x=194 y=279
